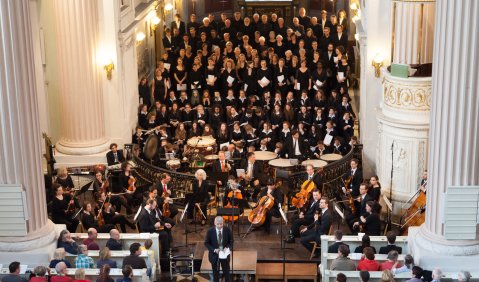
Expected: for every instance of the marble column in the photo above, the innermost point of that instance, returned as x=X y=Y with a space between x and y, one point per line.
x=20 y=136
x=453 y=152
x=82 y=109
x=413 y=31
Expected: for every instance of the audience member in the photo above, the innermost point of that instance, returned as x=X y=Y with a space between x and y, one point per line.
x=364 y=276
x=391 y=236
x=114 y=243
x=392 y=261
x=90 y=241
x=105 y=274
x=367 y=262
x=14 y=276
x=416 y=274
x=343 y=262
x=80 y=275
x=134 y=259
x=83 y=260
x=338 y=235
x=40 y=273
x=341 y=277
x=66 y=242
x=464 y=276
x=105 y=258
x=436 y=274
x=127 y=271
x=365 y=242
x=61 y=269
x=59 y=256
x=387 y=276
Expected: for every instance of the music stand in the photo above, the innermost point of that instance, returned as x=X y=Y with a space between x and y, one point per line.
x=193 y=199
x=235 y=210
x=182 y=219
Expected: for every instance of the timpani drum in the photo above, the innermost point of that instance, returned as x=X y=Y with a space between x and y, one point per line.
x=205 y=144
x=210 y=159
x=265 y=155
x=173 y=164
x=331 y=157
x=281 y=165
x=315 y=163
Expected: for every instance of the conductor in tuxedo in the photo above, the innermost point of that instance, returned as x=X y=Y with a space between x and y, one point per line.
x=114 y=156
x=217 y=239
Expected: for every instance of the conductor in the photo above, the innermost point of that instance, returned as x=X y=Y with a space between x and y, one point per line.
x=217 y=239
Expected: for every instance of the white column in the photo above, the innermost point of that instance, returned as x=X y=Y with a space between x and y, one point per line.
x=413 y=31
x=20 y=136
x=454 y=150
x=83 y=126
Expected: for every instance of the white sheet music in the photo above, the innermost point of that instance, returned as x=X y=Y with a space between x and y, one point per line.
x=181 y=87
x=167 y=66
x=230 y=79
x=338 y=210
x=240 y=172
x=340 y=75
x=224 y=253
x=327 y=139
x=184 y=212
x=281 y=78
x=264 y=81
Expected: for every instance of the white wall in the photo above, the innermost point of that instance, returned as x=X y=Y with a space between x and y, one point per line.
x=378 y=31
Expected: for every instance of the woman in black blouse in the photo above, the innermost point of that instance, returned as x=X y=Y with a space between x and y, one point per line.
x=375 y=188
x=144 y=92
x=250 y=79
x=264 y=78
x=180 y=75
x=303 y=77
x=60 y=205
x=89 y=220
x=200 y=186
x=281 y=76
x=229 y=78
x=159 y=85
x=211 y=76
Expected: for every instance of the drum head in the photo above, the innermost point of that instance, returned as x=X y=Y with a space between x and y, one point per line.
x=151 y=147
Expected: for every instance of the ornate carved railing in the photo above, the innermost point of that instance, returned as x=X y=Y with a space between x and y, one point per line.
x=149 y=174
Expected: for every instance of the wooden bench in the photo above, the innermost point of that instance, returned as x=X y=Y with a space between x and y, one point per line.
x=329 y=257
x=353 y=241
x=116 y=256
x=292 y=271
x=139 y=275
x=375 y=276
x=126 y=240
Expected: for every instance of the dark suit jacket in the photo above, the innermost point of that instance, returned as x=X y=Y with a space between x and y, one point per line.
x=334 y=247
x=386 y=249
x=303 y=147
x=323 y=224
x=343 y=41
x=355 y=182
x=181 y=28
x=136 y=262
x=146 y=221
x=110 y=158
x=311 y=208
x=211 y=242
x=257 y=169
x=361 y=207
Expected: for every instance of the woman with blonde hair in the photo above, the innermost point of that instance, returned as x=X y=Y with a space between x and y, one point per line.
x=105 y=258
x=80 y=275
x=200 y=187
x=387 y=276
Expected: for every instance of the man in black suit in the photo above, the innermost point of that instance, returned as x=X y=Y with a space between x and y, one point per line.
x=114 y=156
x=179 y=24
x=323 y=21
x=134 y=258
x=391 y=236
x=304 y=20
x=149 y=222
x=338 y=235
x=340 y=38
x=221 y=168
x=253 y=172
x=305 y=217
x=322 y=222
x=272 y=191
x=356 y=178
x=169 y=43
x=296 y=147
x=360 y=206
x=217 y=239
x=165 y=188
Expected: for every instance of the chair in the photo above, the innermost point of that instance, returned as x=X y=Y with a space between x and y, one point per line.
x=213 y=202
x=318 y=246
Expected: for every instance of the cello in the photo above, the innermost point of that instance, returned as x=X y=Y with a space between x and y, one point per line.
x=166 y=205
x=415 y=215
x=305 y=193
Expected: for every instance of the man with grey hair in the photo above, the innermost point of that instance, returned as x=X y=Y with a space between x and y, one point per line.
x=464 y=276
x=217 y=239
x=392 y=262
x=436 y=274
x=83 y=260
x=61 y=269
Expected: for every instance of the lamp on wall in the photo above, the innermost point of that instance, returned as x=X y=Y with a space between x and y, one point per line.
x=140 y=36
x=377 y=64
x=109 y=67
x=168 y=7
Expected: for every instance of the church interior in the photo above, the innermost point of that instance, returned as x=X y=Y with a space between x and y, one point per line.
x=239 y=140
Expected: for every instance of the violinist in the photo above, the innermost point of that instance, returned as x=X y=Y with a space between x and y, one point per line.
x=111 y=216
x=128 y=184
x=311 y=175
x=369 y=222
x=272 y=191
x=253 y=172
x=99 y=185
x=153 y=194
x=320 y=226
x=165 y=187
x=65 y=180
x=355 y=178
x=200 y=186
x=89 y=220
x=305 y=217
x=61 y=209
x=360 y=206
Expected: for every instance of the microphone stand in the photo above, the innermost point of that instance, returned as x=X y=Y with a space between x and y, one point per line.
x=233 y=235
x=388 y=223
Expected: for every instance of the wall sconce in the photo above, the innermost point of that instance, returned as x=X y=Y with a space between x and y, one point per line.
x=377 y=64
x=108 y=66
x=168 y=7
x=154 y=22
x=140 y=36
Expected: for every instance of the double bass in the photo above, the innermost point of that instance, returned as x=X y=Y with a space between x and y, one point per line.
x=415 y=215
x=305 y=193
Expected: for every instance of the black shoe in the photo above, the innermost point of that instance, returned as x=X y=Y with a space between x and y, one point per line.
x=290 y=240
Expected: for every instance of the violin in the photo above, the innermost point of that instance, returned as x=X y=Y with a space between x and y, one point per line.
x=104 y=186
x=131 y=184
x=237 y=194
x=258 y=214
x=71 y=205
x=305 y=193
x=104 y=205
x=166 y=206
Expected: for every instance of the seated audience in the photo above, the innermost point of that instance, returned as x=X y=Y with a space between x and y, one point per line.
x=367 y=262
x=365 y=242
x=408 y=265
x=364 y=276
x=40 y=274
x=14 y=276
x=464 y=276
x=105 y=258
x=416 y=274
x=387 y=276
x=134 y=259
x=61 y=269
x=80 y=275
x=343 y=262
x=90 y=241
x=59 y=256
x=83 y=260
x=66 y=242
x=341 y=277
x=105 y=274
x=127 y=272
x=391 y=236
x=338 y=235
x=114 y=243
x=392 y=261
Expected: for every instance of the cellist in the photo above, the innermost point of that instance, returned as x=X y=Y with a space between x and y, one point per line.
x=272 y=191
x=305 y=217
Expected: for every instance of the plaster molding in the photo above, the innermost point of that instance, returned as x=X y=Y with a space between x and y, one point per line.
x=407 y=94
x=42 y=237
